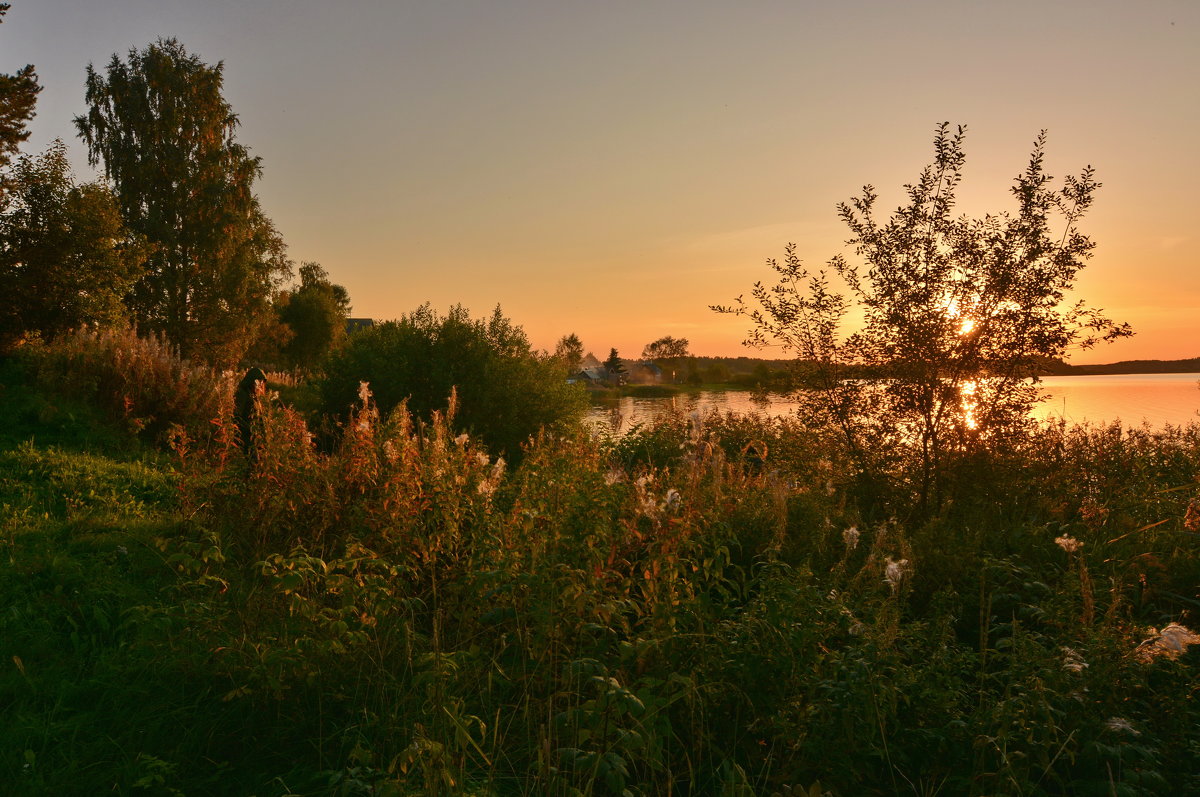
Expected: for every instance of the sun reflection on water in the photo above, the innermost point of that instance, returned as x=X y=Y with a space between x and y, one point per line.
x=967 y=393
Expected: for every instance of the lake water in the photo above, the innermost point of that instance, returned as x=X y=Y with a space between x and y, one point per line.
x=1156 y=399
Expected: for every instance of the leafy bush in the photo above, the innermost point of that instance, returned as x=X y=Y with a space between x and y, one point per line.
x=139 y=380
x=506 y=393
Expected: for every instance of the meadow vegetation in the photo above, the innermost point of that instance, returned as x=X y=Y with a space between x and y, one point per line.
x=428 y=578
x=704 y=606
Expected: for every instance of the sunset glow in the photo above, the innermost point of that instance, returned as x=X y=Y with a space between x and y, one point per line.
x=614 y=170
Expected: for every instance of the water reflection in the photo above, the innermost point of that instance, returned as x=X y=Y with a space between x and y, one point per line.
x=1157 y=399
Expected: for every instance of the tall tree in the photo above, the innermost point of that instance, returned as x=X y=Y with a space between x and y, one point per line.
x=66 y=258
x=570 y=350
x=613 y=364
x=18 y=96
x=165 y=134
x=666 y=348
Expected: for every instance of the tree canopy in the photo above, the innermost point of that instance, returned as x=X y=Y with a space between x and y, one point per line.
x=666 y=348
x=959 y=315
x=315 y=313
x=165 y=134
x=613 y=363
x=570 y=350
x=18 y=98
x=66 y=258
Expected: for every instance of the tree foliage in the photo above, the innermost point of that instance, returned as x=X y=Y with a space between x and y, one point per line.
x=18 y=97
x=958 y=316
x=165 y=134
x=570 y=351
x=613 y=364
x=315 y=313
x=505 y=392
x=666 y=348
x=66 y=258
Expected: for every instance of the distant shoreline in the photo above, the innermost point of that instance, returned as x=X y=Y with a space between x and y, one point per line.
x=1188 y=366
x=1052 y=368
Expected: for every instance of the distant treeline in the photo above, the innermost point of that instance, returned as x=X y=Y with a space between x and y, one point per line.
x=739 y=371
x=753 y=371
x=1191 y=365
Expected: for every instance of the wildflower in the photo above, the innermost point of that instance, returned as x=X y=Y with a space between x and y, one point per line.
x=481 y=458
x=364 y=393
x=461 y=440
x=1072 y=661
x=1172 y=642
x=895 y=572
x=1121 y=725
x=672 y=500
x=850 y=536
x=1191 y=520
x=1068 y=543
x=614 y=476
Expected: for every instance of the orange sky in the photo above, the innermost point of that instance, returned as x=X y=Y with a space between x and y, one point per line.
x=611 y=169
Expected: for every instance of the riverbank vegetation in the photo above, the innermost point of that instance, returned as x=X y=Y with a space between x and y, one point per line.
x=706 y=606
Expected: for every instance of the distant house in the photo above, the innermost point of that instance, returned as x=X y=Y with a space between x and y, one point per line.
x=358 y=324
x=595 y=376
x=643 y=373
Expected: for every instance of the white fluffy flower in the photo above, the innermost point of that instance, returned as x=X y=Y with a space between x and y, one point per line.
x=1068 y=543
x=1072 y=661
x=895 y=572
x=1171 y=642
x=1121 y=725
x=850 y=536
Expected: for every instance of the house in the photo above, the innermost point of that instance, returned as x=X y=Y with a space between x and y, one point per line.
x=643 y=373
x=594 y=376
x=358 y=324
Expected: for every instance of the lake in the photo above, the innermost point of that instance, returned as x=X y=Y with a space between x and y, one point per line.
x=1156 y=399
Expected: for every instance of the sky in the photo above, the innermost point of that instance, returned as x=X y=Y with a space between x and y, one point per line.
x=612 y=169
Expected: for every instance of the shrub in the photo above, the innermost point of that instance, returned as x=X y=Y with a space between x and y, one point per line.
x=140 y=380
x=506 y=393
